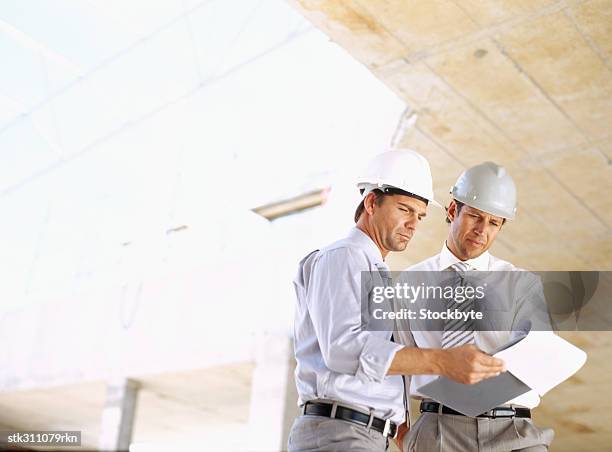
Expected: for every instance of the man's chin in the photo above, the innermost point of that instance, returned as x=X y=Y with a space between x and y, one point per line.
x=401 y=246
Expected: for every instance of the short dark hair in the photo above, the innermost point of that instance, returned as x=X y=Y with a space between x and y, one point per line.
x=459 y=206
x=380 y=194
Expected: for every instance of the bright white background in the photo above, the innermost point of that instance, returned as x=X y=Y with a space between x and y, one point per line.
x=120 y=120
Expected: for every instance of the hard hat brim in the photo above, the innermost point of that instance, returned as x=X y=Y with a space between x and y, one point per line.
x=391 y=188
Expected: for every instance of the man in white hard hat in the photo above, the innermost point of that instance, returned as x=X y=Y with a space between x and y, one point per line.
x=348 y=377
x=483 y=199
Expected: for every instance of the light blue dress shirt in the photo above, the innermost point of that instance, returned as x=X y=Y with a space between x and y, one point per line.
x=337 y=359
x=485 y=340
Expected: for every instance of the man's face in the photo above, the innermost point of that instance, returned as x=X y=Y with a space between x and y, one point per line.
x=395 y=220
x=472 y=231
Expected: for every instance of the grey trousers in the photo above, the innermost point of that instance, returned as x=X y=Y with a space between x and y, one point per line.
x=434 y=432
x=318 y=433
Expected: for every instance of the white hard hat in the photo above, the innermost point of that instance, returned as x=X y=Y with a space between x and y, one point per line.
x=487 y=187
x=403 y=169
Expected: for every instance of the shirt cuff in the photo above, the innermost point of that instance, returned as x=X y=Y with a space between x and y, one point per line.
x=375 y=359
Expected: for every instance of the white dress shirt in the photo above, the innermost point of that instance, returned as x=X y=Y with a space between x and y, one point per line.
x=487 y=341
x=336 y=358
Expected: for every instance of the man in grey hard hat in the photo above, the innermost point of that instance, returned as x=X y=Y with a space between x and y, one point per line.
x=348 y=377
x=483 y=199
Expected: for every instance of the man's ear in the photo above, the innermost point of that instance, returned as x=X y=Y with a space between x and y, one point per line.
x=451 y=211
x=368 y=202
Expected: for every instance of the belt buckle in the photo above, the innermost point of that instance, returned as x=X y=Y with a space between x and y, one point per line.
x=494 y=411
x=387 y=429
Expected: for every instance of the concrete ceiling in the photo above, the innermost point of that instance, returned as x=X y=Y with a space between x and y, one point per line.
x=525 y=83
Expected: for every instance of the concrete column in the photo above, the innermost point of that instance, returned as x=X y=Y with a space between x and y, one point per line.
x=270 y=387
x=118 y=415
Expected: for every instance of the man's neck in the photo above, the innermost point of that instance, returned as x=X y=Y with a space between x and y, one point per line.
x=453 y=250
x=369 y=232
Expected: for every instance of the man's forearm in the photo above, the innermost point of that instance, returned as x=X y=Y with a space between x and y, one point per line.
x=466 y=364
x=417 y=361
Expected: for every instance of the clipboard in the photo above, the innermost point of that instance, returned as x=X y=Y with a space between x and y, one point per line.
x=530 y=363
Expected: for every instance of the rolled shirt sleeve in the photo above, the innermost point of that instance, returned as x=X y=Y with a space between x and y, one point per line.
x=334 y=303
x=375 y=359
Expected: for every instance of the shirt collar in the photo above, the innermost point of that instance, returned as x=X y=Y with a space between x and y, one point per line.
x=447 y=258
x=364 y=241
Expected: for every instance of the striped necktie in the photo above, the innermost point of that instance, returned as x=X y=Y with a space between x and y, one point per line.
x=458 y=332
x=385 y=274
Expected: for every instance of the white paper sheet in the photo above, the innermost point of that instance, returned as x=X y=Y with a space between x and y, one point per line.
x=542 y=360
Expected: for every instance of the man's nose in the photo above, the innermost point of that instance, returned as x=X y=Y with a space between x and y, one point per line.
x=411 y=222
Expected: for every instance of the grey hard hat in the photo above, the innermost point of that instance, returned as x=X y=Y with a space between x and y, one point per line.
x=487 y=187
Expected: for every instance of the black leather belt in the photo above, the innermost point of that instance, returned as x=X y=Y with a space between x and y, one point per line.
x=499 y=412
x=386 y=427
